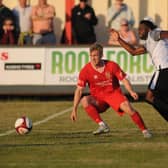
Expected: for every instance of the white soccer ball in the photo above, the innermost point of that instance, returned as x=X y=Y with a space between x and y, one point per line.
x=23 y=125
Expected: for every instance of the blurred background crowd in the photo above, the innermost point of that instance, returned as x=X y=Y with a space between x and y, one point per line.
x=36 y=22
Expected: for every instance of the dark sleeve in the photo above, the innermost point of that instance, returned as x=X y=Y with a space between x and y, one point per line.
x=73 y=21
x=94 y=19
x=73 y=17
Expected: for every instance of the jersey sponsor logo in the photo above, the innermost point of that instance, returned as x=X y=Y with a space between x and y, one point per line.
x=108 y=75
x=104 y=83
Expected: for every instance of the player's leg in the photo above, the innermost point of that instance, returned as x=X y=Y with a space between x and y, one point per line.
x=135 y=116
x=93 y=108
x=128 y=109
x=121 y=104
x=89 y=104
x=158 y=103
x=149 y=96
x=157 y=93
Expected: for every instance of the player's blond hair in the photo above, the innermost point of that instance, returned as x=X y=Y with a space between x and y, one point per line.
x=97 y=47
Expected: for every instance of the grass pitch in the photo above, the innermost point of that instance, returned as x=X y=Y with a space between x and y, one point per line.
x=59 y=143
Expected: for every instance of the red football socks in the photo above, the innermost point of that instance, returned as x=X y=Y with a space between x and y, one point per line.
x=138 y=121
x=93 y=113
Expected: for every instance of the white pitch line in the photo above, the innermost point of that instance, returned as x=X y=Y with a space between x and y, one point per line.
x=7 y=133
x=41 y=121
x=52 y=116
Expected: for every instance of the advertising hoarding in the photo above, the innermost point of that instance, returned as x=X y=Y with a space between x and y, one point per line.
x=22 y=66
x=64 y=64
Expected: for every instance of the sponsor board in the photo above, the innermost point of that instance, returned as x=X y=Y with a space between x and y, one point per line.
x=63 y=65
x=22 y=66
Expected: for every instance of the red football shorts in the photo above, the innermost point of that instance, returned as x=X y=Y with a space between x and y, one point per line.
x=113 y=100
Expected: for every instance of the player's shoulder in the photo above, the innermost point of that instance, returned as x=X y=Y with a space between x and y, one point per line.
x=86 y=67
x=112 y=66
x=155 y=33
x=110 y=63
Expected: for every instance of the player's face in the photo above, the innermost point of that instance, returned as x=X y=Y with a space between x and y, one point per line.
x=95 y=57
x=143 y=31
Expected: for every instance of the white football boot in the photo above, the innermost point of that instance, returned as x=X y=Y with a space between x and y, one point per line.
x=146 y=134
x=102 y=129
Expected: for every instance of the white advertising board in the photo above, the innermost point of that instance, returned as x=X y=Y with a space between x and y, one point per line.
x=22 y=66
x=63 y=65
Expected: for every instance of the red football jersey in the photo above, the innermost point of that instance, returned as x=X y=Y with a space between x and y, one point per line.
x=101 y=83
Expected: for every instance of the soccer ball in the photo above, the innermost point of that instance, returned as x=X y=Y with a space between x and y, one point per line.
x=23 y=125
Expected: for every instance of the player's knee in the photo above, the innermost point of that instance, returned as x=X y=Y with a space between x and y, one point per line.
x=149 y=98
x=130 y=111
x=85 y=101
x=127 y=108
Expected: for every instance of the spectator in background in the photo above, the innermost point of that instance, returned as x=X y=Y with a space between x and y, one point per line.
x=83 y=22
x=117 y=12
x=22 y=14
x=8 y=32
x=4 y=13
x=126 y=34
x=42 y=22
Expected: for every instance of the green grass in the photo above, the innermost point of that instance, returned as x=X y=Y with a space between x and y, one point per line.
x=59 y=143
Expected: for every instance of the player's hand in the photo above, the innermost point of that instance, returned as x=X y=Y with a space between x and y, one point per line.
x=115 y=35
x=73 y=116
x=134 y=95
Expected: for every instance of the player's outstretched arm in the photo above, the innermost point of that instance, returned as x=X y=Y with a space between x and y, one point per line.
x=129 y=88
x=130 y=48
x=77 y=97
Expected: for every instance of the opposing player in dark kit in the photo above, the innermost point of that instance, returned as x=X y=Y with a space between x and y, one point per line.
x=156 y=44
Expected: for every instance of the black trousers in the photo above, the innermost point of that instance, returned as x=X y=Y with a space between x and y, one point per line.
x=159 y=86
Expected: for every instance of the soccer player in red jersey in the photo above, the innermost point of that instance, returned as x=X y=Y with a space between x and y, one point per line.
x=103 y=78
